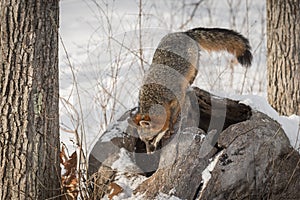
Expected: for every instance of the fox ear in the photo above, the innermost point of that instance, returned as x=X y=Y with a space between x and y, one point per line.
x=145 y=124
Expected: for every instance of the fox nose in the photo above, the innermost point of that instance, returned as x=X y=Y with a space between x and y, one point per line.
x=150 y=148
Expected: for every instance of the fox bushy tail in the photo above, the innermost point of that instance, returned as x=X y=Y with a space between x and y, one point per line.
x=218 y=39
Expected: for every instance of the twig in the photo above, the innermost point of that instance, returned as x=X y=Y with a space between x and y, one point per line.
x=192 y=15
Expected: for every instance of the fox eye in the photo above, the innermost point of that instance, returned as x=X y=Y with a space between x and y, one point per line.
x=145 y=124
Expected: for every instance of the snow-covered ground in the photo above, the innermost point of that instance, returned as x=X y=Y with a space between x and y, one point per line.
x=101 y=70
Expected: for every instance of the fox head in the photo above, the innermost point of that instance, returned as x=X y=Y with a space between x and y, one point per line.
x=151 y=129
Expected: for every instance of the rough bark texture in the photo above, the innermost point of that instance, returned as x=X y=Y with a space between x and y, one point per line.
x=257 y=162
x=283 y=42
x=219 y=113
x=29 y=129
x=180 y=168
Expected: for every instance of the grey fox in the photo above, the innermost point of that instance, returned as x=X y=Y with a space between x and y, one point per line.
x=173 y=69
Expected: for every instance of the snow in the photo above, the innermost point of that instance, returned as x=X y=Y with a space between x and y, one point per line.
x=162 y=196
x=114 y=130
x=130 y=183
x=206 y=174
x=290 y=124
x=124 y=167
x=125 y=163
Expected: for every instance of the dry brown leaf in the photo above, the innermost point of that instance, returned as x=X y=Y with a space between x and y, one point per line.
x=69 y=178
x=114 y=190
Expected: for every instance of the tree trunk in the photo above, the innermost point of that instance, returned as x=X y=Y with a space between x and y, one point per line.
x=283 y=31
x=29 y=129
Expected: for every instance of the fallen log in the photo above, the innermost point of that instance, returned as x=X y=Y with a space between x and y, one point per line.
x=221 y=150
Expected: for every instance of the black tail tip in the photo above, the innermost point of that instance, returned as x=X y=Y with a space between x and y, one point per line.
x=246 y=58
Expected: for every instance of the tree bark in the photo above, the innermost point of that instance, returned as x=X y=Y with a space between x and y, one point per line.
x=283 y=42
x=29 y=129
